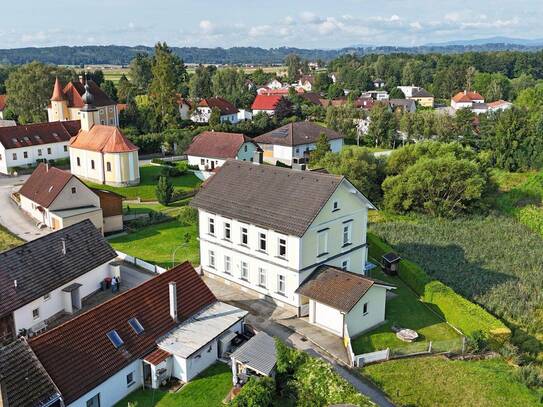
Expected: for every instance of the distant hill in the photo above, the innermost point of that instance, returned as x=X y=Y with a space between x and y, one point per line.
x=122 y=55
x=492 y=40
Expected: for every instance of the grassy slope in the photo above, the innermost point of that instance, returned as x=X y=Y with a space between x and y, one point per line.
x=8 y=240
x=156 y=243
x=148 y=181
x=407 y=311
x=436 y=381
x=207 y=390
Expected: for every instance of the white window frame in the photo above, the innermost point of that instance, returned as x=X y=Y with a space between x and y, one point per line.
x=262 y=277
x=244 y=234
x=227 y=265
x=211 y=226
x=281 y=279
x=131 y=382
x=211 y=258
x=244 y=270
x=227 y=231
x=346 y=264
x=36 y=313
x=324 y=236
x=347 y=233
x=262 y=241
x=91 y=403
x=335 y=206
x=47 y=297
x=280 y=245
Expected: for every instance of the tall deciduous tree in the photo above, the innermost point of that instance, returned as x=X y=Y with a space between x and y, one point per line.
x=230 y=84
x=200 y=84
x=141 y=73
x=382 y=129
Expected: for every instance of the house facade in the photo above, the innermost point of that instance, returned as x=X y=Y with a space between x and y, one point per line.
x=265 y=104
x=202 y=113
x=210 y=149
x=466 y=100
x=66 y=103
x=295 y=141
x=131 y=345
x=24 y=146
x=52 y=275
x=270 y=249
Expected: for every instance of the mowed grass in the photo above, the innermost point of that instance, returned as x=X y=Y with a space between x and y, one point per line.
x=156 y=243
x=148 y=180
x=207 y=390
x=8 y=240
x=437 y=381
x=407 y=311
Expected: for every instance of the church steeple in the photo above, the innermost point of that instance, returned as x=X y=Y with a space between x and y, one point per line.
x=88 y=110
x=59 y=104
x=58 y=95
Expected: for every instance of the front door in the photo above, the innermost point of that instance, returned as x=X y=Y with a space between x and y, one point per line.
x=147 y=380
x=76 y=300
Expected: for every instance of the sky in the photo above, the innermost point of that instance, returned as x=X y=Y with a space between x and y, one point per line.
x=296 y=23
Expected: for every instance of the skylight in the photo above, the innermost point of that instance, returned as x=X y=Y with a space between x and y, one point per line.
x=115 y=339
x=136 y=326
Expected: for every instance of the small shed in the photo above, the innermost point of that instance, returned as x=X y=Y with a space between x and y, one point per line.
x=391 y=263
x=256 y=357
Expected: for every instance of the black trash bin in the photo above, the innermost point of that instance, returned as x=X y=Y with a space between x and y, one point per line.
x=391 y=263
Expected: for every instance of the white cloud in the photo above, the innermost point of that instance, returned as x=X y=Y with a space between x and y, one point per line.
x=207 y=27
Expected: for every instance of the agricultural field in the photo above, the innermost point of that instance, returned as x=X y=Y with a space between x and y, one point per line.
x=437 y=381
x=494 y=261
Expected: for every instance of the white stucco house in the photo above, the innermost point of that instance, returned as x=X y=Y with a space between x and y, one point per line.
x=267 y=229
x=265 y=104
x=210 y=149
x=466 y=100
x=52 y=275
x=202 y=112
x=295 y=141
x=125 y=344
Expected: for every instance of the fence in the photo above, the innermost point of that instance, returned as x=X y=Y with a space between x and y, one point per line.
x=153 y=268
x=413 y=349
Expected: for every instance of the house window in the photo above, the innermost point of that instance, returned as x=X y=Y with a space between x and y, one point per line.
x=282 y=247
x=92 y=164
x=130 y=379
x=244 y=271
x=335 y=206
x=78 y=162
x=94 y=401
x=25 y=154
x=227 y=231
x=108 y=167
x=227 y=265
x=211 y=259
x=47 y=297
x=0 y=157
x=244 y=236
x=102 y=122
x=110 y=110
x=202 y=161
x=365 y=309
x=73 y=190
x=14 y=156
x=345 y=265
x=281 y=284
x=110 y=121
x=261 y=277
x=322 y=239
x=245 y=148
x=262 y=241
x=347 y=234
x=48 y=150
x=65 y=148
x=39 y=152
x=211 y=226
x=36 y=313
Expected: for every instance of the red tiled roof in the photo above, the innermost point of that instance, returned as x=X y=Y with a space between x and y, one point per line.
x=220 y=103
x=74 y=91
x=58 y=95
x=3 y=99
x=266 y=102
x=281 y=91
x=36 y=134
x=217 y=144
x=157 y=356
x=44 y=185
x=79 y=356
x=497 y=103
x=467 y=97
x=105 y=139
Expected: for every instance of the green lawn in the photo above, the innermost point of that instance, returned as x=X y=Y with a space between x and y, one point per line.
x=156 y=243
x=148 y=180
x=407 y=311
x=8 y=240
x=170 y=210
x=207 y=390
x=436 y=381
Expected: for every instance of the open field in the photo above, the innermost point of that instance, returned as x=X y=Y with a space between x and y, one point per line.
x=437 y=381
x=207 y=390
x=7 y=240
x=148 y=180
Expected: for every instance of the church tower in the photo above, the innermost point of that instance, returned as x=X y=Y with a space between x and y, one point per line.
x=59 y=104
x=88 y=111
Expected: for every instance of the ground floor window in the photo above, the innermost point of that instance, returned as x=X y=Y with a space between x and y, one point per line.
x=130 y=379
x=261 y=277
x=94 y=402
x=36 y=313
x=244 y=271
x=281 y=284
x=211 y=258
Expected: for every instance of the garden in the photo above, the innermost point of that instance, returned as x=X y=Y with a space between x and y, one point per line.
x=8 y=240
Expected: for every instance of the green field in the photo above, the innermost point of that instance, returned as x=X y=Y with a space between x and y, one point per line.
x=156 y=243
x=436 y=381
x=8 y=240
x=148 y=180
x=407 y=311
x=207 y=390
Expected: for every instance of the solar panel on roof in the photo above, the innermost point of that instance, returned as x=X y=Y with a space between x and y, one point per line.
x=115 y=339
x=136 y=326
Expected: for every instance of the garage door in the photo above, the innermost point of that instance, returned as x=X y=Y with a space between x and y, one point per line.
x=329 y=318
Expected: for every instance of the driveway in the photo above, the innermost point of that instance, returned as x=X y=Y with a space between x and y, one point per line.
x=276 y=321
x=11 y=217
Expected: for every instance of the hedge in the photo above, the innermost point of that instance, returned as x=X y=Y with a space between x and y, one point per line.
x=457 y=310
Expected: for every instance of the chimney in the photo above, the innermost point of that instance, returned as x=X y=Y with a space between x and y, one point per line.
x=257 y=157
x=81 y=79
x=63 y=246
x=173 y=300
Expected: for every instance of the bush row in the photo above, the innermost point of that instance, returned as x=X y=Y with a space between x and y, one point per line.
x=458 y=311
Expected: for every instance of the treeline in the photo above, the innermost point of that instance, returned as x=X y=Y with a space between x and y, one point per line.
x=122 y=55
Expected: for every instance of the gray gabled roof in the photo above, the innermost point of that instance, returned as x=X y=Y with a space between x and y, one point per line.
x=298 y=133
x=24 y=380
x=258 y=353
x=280 y=199
x=36 y=268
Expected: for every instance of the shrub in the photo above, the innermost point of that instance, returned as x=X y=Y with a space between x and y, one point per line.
x=164 y=190
x=188 y=216
x=477 y=342
x=256 y=393
x=168 y=171
x=531 y=376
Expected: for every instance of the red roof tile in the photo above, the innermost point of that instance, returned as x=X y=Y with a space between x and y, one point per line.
x=467 y=97
x=220 y=103
x=157 y=356
x=58 y=95
x=74 y=91
x=36 y=134
x=79 y=356
x=217 y=144
x=44 y=185
x=105 y=139
x=266 y=102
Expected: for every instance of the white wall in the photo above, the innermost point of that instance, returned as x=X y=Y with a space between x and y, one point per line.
x=115 y=388
x=8 y=161
x=90 y=283
x=327 y=317
x=85 y=170
x=83 y=196
x=357 y=322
